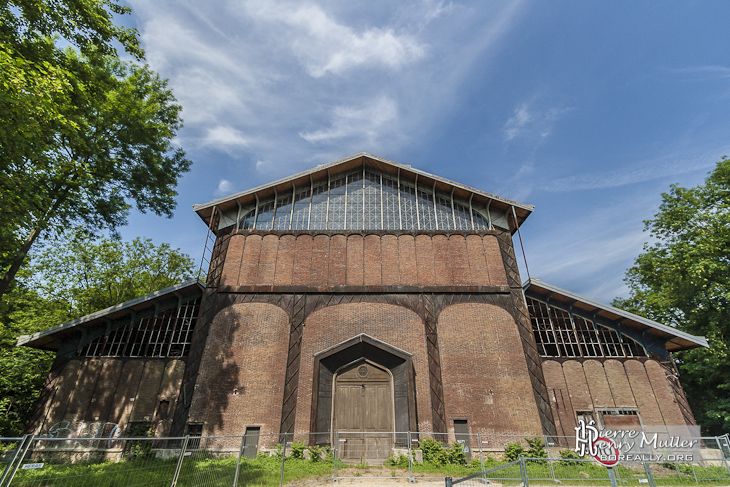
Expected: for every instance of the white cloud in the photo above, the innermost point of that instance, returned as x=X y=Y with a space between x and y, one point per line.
x=225 y=137
x=361 y=122
x=324 y=45
x=225 y=188
x=516 y=123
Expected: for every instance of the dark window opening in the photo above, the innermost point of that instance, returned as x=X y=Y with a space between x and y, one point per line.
x=166 y=335
x=558 y=334
x=195 y=431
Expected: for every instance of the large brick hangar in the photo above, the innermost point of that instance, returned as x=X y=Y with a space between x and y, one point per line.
x=361 y=295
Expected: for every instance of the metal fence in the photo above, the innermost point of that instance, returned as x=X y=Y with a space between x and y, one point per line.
x=303 y=458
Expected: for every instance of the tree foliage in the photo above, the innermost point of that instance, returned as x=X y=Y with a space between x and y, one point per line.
x=683 y=280
x=79 y=274
x=90 y=273
x=84 y=136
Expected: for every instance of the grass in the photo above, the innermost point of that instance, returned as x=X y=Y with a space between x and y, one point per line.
x=208 y=470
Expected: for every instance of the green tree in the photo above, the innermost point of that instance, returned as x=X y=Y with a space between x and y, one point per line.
x=80 y=274
x=83 y=135
x=92 y=273
x=683 y=280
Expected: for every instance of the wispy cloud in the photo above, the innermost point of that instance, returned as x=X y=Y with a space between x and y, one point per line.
x=293 y=83
x=531 y=120
x=640 y=171
x=705 y=72
x=325 y=45
x=362 y=122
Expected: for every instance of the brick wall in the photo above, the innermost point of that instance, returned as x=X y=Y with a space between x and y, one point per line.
x=241 y=378
x=86 y=392
x=394 y=325
x=318 y=260
x=484 y=373
x=592 y=384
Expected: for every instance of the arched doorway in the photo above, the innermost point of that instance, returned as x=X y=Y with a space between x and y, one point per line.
x=363 y=411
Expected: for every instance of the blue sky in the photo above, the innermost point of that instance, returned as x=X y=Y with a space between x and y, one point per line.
x=586 y=110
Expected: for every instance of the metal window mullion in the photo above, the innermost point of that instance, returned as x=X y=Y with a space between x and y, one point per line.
x=575 y=333
x=435 y=209
x=327 y=209
x=293 y=202
x=552 y=327
x=418 y=217
x=238 y=216
x=400 y=217
x=256 y=212
x=489 y=216
x=382 y=220
x=363 y=194
x=178 y=330
x=142 y=340
x=344 y=223
x=311 y=196
x=273 y=218
x=471 y=212
x=453 y=213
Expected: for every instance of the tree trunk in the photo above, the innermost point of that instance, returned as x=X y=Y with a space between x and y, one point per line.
x=18 y=261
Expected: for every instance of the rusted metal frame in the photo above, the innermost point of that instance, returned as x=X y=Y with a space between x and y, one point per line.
x=453 y=212
x=575 y=329
x=311 y=198
x=471 y=211
x=327 y=209
x=256 y=213
x=400 y=217
x=552 y=325
x=293 y=202
x=418 y=217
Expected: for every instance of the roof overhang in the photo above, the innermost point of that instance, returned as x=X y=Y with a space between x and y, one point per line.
x=643 y=329
x=150 y=304
x=363 y=159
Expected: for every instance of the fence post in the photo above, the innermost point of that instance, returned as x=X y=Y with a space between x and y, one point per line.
x=238 y=463
x=649 y=475
x=612 y=476
x=180 y=461
x=17 y=459
x=283 y=460
x=337 y=453
x=523 y=472
x=449 y=482
x=481 y=452
x=410 y=458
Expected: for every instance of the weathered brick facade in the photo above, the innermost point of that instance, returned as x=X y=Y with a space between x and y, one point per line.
x=293 y=297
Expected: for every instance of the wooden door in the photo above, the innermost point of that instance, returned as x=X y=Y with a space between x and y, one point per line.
x=363 y=412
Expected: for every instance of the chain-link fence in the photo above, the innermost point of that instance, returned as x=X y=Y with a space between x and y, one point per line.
x=303 y=458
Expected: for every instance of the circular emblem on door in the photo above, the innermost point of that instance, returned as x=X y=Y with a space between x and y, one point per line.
x=362 y=371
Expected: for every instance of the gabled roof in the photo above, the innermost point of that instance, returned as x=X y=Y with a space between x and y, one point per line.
x=322 y=171
x=641 y=329
x=146 y=305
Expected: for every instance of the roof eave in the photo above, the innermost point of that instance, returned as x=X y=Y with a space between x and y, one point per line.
x=47 y=340
x=680 y=340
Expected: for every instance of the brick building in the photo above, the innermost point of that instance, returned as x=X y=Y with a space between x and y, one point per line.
x=361 y=295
